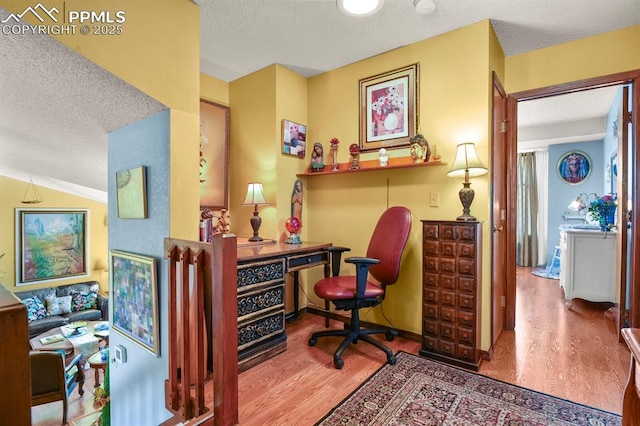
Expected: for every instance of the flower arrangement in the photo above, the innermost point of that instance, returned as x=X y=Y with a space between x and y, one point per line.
x=598 y=207
x=334 y=141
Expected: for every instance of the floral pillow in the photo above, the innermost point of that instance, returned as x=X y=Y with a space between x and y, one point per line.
x=35 y=308
x=82 y=300
x=58 y=305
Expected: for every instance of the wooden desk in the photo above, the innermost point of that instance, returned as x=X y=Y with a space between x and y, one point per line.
x=261 y=294
x=631 y=399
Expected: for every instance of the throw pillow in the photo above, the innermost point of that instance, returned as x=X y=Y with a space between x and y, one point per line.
x=58 y=305
x=81 y=301
x=35 y=308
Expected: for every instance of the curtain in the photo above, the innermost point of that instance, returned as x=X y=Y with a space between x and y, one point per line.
x=542 y=180
x=527 y=220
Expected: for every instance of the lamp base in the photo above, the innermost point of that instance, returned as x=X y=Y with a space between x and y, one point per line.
x=466 y=197
x=256 y=221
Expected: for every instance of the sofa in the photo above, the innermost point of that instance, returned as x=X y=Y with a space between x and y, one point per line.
x=52 y=307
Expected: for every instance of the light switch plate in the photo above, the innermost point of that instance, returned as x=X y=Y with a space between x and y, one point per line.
x=434 y=199
x=120 y=354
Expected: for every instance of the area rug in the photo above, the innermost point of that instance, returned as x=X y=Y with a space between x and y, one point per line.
x=546 y=273
x=417 y=391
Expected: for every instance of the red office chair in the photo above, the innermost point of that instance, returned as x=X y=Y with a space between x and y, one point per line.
x=355 y=292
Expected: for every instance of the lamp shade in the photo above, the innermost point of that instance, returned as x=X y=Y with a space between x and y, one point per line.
x=255 y=195
x=466 y=161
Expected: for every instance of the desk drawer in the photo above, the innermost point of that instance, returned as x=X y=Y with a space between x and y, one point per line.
x=253 y=303
x=308 y=260
x=259 y=329
x=252 y=275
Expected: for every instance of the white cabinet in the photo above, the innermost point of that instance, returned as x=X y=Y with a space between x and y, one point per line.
x=588 y=265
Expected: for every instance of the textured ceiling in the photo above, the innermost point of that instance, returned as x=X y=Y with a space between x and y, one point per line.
x=57 y=108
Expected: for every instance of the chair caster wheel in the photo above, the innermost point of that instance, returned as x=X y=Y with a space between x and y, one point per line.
x=338 y=363
x=392 y=360
x=390 y=336
x=313 y=341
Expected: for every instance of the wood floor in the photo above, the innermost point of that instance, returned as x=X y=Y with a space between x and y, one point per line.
x=569 y=353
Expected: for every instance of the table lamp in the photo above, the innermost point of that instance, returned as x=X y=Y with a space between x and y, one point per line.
x=255 y=197
x=466 y=164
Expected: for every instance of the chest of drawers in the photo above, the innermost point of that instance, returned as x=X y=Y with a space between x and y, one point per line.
x=451 y=293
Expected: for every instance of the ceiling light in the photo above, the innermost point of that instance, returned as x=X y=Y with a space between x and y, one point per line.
x=360 y=7
x=424 y=7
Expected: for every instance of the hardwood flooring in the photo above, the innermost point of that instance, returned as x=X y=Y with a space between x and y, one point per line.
x=569 y=353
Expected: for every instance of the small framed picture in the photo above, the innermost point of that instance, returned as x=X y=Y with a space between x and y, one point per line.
x=294 y=138
x=574 y=167
x=388 y=109
x=135 y=298
x=132 y=193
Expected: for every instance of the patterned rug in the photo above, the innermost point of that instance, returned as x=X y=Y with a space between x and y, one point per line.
x=417 y=391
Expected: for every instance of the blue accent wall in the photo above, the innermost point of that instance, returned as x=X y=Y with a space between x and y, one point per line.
x=137 y=387
x=561 y=193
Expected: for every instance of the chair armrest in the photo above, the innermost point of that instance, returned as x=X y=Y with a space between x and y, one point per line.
x=362 y=272
x=336 y=254
x=103 y=305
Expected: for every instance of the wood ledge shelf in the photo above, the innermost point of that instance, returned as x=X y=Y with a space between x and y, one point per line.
x=370 y=165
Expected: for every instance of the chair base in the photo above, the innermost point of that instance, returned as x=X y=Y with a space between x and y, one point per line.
x=352 y=336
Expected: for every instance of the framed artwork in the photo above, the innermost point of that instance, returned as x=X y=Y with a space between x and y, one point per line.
x=294 y=138
x=214 y=155
x=388 y=109
x=614 y=172
x=51 y=244
x=574 y=167
x=135 y=298
x=132 y=193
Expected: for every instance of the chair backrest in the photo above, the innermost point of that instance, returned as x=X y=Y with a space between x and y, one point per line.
x=387 y=244
x=47 y=375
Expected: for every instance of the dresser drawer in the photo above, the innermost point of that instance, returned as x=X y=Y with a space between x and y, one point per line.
x=430 y=311
x=448 y=265
x=466 y=353
x=448 y=232
x=467 y=285
x=448 y=282
x=431 y=264
x=431 y=295
x=252 y=275
x=431 y=328
x=430 y=280
x=254 y=303
x=448 y=249
x=467 y=267
x=448 y=315
x=466 y=319
x=431 y=248
x=466 y=301
x=447 y=331
x=307 y=260
x=430 y=232
x=259 y=329
x=466 y=336
x=466 y=232
x=447 y=298
x=467 y=250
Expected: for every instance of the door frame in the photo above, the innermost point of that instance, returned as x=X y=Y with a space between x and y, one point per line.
x=631 y=77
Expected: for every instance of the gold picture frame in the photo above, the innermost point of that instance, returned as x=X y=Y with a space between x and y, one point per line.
x=389 y=108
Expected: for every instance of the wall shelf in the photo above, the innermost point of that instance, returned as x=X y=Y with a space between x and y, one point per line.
x=370 y=165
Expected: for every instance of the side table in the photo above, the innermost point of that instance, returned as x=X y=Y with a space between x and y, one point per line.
x=96 y=362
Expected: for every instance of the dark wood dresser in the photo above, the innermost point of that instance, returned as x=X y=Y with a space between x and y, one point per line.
x=451 y=293
x=15 y=372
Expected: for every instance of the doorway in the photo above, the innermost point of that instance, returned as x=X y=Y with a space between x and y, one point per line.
x=632 y=79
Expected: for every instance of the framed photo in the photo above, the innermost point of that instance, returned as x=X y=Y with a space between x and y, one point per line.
x=294 y=138
x=135 y=298
x=388 y=109
x=574 y=167
x=51 y=244
x=614 y=172
x=132 y=193
x=214 y=155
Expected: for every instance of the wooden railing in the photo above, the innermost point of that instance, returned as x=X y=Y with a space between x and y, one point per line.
x=202 y=291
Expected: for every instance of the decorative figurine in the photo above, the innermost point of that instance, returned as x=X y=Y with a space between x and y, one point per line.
x=424 y=146
x=384 y=157
x=317 y=161
x=334 y=154
x=293 y=225
x=354 y=151
x=416 y=152
x=296 y=199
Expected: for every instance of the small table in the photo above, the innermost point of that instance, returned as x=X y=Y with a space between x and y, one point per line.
x=64 y=344
x=96 y=362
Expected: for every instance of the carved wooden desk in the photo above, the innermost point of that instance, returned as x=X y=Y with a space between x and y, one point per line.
x=262 y=269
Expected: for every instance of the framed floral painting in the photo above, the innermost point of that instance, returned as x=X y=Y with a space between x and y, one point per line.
x=388 y=109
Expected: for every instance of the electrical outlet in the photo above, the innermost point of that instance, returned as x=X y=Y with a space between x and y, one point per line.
x=434 y=199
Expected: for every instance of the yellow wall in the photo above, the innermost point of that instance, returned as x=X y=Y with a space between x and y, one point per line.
x=605 y=54
x=214 y=90
x=11 y=193
x=158 y=53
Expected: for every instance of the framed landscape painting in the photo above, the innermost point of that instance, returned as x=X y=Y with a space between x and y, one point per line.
x=51 y=244
x=135 y=298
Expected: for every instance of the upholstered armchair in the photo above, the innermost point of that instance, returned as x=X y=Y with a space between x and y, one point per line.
x=52 y=380
x=350 y=293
